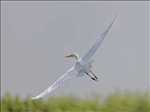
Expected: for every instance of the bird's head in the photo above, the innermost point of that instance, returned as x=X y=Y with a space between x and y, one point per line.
x=73 y=55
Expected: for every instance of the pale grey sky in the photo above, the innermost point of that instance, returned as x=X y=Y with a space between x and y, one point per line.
x=35 y=36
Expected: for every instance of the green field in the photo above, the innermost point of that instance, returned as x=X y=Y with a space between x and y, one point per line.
x=117 y=102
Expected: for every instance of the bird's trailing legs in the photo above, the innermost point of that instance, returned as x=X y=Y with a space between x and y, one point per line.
x=92 y=75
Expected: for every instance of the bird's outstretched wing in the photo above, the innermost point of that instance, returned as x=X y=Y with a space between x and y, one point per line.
x=98 y=42
x=59 y=82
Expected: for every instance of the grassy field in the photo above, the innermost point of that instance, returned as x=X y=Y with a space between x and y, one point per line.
x=117 y=102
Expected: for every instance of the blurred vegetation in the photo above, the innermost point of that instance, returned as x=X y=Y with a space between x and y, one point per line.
x=117 y=102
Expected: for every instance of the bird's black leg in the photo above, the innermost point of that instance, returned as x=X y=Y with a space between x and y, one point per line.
x=93 y=74
x=93 y=78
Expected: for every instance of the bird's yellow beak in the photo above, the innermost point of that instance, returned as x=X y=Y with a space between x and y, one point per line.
x=75 y=56
x=69 y=56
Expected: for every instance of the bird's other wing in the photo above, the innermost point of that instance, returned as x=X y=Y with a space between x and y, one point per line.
x=59 y=82
x=98 y=42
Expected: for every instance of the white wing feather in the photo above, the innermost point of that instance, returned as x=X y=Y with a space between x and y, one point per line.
x=98 y=42
x=59 y=82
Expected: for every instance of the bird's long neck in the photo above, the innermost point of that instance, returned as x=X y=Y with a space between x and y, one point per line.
x=76 y=56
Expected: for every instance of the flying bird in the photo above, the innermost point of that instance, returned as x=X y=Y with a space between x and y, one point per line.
x=82 y=66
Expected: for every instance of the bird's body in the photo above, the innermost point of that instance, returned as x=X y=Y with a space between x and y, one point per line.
x=81 y=67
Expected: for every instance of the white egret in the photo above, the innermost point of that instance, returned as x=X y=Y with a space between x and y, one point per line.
x=82 y=65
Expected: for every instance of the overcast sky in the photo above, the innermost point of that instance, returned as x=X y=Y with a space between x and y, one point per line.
x=36 y=36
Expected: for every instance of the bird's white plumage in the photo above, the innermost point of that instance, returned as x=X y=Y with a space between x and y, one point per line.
x=82 y=65
x=59 y=82
x=98 y=42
